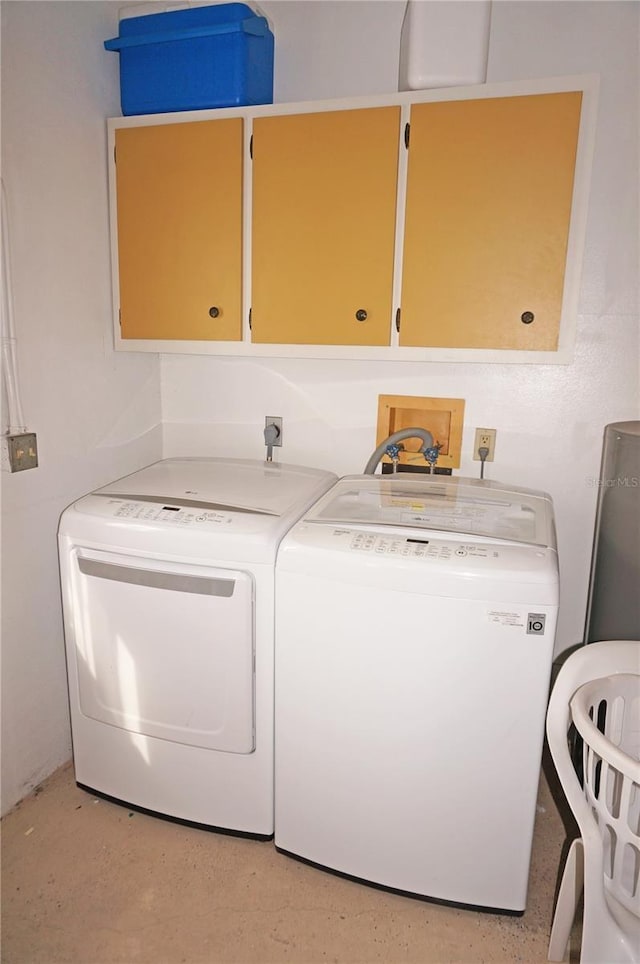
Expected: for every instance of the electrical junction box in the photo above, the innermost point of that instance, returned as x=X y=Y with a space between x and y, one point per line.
x=22 y=451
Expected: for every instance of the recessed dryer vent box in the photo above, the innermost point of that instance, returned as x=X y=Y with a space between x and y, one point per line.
x=443 y=417
x=198 y=57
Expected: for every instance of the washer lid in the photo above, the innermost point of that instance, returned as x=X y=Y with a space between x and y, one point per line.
x=233 y=485
x=468 y=506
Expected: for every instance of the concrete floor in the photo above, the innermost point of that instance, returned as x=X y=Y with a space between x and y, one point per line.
x=90 y=882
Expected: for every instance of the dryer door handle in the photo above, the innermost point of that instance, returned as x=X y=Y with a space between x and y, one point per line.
x=156 y=579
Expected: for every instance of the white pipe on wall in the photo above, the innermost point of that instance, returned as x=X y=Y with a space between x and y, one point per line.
x=15 y=423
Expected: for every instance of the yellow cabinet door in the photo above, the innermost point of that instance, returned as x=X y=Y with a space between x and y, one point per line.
x=489 y=193
x=179 y=212
x=324 y=209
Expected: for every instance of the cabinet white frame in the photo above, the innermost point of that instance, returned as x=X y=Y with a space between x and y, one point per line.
x=587 y=83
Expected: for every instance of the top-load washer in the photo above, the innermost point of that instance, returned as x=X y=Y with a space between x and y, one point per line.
x=415 y=623
x=168 y=598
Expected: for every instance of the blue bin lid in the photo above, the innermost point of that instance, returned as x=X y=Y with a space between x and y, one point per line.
x=219 y=18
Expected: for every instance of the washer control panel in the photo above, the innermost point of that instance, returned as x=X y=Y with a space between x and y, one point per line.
x=415 y=548
x=402 y=559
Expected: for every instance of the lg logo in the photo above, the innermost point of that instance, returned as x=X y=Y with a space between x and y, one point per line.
x=535 y=624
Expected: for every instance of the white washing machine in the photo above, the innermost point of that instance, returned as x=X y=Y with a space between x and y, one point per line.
x=415 y=623
x=168 y=598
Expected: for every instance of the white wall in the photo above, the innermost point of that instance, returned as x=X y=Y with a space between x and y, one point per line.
x=96 y=413
x=549 y=419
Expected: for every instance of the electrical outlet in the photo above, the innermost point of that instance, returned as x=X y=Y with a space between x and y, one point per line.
x=485 y=438
x=22 y=451
x=277 y=421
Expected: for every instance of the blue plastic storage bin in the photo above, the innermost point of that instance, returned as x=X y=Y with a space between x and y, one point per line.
x=191 y=59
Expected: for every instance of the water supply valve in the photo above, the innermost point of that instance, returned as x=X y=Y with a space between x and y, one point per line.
x=431 y=454
x=393 y=451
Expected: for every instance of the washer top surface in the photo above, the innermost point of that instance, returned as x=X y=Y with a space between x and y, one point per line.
x=237 y=509
x=470 y=507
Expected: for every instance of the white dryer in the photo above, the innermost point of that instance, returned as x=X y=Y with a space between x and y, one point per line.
x=415 y=623
x=168 y=598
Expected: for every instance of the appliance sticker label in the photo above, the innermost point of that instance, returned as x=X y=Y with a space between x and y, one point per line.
x=535 y=624
x=506 y=618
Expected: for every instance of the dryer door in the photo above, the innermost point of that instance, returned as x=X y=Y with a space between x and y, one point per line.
x=165 y=650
